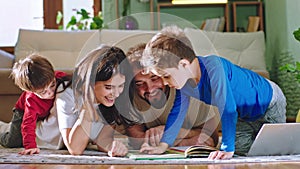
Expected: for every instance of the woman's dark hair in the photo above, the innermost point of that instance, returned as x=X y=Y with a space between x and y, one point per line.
x=111 y=64
x=65 y=81
x=100 y=65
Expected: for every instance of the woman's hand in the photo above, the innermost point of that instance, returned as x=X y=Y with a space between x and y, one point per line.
x=117 y=149
x=30 y=151
x=220 y=155
x=161 y=148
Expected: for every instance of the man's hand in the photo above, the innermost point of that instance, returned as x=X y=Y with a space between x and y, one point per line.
x=117 y=149
x=153 y=135
x=205 y=139
x=30 y=151
x=220 y=155
x=161 y=148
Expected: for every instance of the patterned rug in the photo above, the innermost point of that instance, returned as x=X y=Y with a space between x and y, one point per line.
x=11 y=156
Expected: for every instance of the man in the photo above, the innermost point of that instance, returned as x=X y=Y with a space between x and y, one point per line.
x=152 y=102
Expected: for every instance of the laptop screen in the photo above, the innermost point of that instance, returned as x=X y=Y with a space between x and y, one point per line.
x=276 y=139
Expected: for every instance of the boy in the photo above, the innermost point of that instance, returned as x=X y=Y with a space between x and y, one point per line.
x=244 y=99
x=36 y=77
x=152 y=102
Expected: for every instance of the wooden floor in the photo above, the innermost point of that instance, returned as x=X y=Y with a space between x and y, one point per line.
x=285 y=165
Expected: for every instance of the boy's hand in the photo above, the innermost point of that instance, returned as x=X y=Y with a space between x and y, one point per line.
x=117 y=149
x=161 y=148
x=30 y=151
x=220 y=155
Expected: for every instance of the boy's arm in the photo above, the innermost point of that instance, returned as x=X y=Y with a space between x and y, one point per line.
x=173 y=125
x=222 y=97
x=175 y=118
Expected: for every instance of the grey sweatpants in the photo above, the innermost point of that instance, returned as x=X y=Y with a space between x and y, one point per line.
x=13 y=138
x=247 y=131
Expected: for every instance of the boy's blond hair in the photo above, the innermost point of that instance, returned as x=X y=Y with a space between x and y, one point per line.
x=33 y=73
x=167 y=48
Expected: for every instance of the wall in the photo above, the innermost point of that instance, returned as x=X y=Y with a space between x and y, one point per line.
x=293 y=21
x=281 y=20
x=282 y=48
x=199 y=13
x=109 y=9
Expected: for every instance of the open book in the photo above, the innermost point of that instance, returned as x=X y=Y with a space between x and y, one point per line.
x=196 y=151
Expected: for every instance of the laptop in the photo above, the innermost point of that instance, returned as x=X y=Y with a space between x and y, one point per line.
x=276 y=139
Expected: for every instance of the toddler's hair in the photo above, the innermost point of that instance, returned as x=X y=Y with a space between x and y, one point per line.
x=33 y=73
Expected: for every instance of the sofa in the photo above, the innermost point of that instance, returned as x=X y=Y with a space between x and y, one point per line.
x=65 y=48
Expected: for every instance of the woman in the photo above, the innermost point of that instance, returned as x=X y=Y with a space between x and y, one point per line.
x=99 y=79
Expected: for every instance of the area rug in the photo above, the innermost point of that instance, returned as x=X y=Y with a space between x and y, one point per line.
x=11 y=156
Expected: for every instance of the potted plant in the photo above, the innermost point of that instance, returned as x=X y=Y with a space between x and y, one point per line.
x=84 y=22
x=294 y=68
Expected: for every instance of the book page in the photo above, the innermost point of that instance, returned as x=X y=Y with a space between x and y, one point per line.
x=136 y=155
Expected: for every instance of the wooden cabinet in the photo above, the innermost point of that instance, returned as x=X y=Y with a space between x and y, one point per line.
x=259 y=9
x=170 y=5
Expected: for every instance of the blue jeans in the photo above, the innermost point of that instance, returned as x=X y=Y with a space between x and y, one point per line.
x=246 y=131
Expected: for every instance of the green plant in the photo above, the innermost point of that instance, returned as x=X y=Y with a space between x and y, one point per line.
x=84 y=22
x=293 y=68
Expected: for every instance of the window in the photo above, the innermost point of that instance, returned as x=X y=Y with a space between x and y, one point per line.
x=70 y=6
x=16 y=14
x=37 y=15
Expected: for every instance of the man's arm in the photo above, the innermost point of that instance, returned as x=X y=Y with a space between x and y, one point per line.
x=136 y=134
x=206 y=134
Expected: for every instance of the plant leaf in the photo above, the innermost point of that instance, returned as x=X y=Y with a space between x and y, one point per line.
x=98 y=21
x=297 y=34
x=59 y=17
x=73 y=21
x=60 y=27
x=298 y=66
x=93 y=26
x=288 y=67
x=84 y=14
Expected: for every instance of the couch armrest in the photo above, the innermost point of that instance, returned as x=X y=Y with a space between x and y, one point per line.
x=7 y=59
x=7 y=86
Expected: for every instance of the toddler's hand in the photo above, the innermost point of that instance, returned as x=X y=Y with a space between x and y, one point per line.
x=30 y=151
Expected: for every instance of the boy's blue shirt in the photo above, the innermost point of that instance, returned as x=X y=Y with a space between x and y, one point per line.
x=237 y=92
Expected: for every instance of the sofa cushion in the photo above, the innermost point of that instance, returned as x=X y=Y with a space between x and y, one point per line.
x=6 y=59
x=60 y=47
x=244 y=49
x=125 y=39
